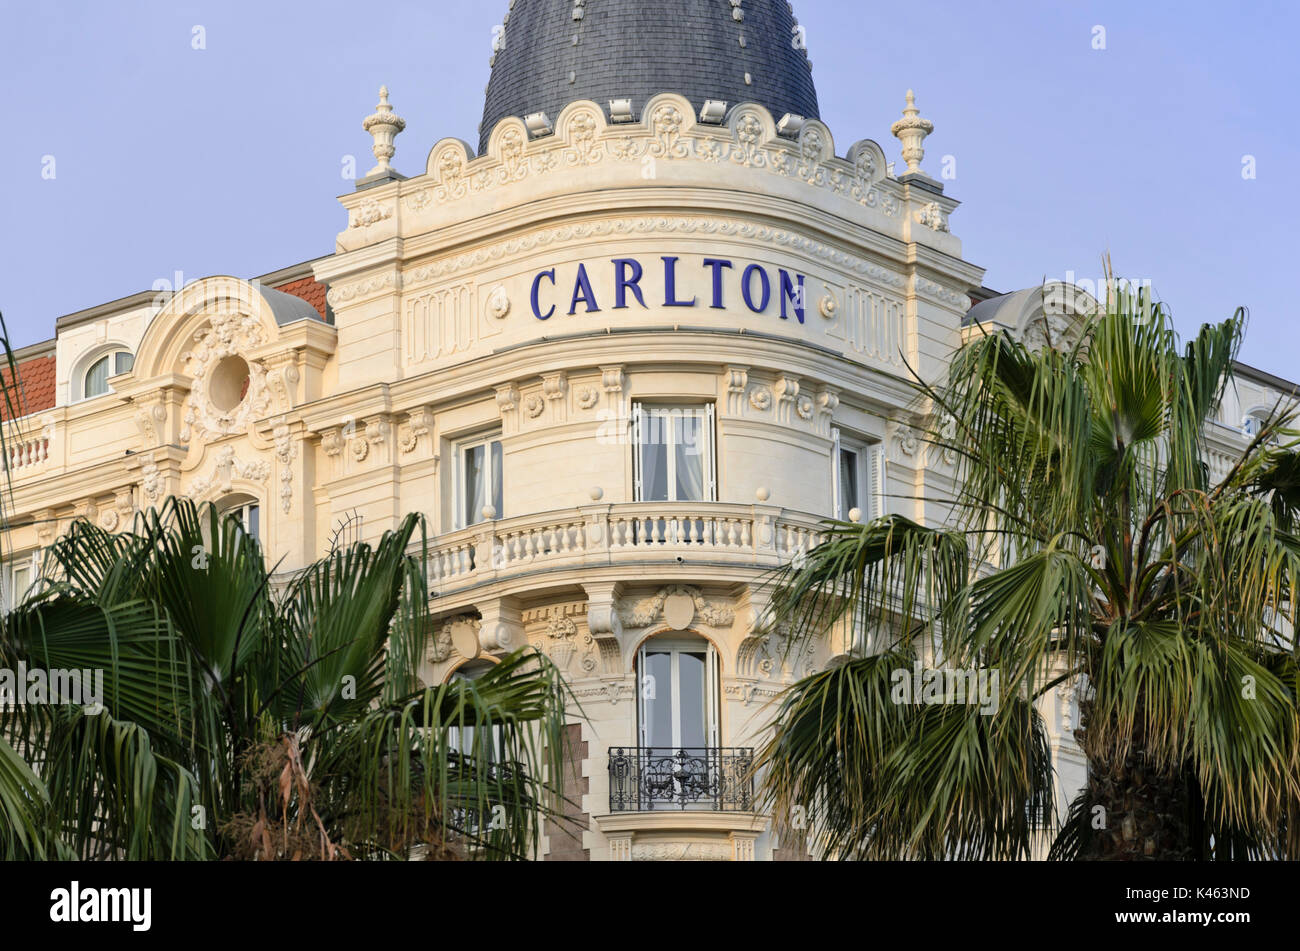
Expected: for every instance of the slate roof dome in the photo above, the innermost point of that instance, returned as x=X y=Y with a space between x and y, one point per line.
x=550 y=53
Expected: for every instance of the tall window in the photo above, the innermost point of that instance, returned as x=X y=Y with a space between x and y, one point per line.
x=857 y=477
x=110 y=364
x=674 y=453
x=17 y=576
x=677 y=686
x=480 y=478
x=462 y=738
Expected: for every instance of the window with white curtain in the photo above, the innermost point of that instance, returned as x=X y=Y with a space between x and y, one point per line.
x=17 y=576
x=674 y=453
x=95 y=382
x=480 y=479
x=857 y=476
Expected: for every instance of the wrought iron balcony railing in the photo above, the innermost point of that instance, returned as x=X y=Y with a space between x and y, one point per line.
x=644 y=779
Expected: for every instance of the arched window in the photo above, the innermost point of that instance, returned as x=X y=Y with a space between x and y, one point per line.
x=246 y=509
x=1254 y=421
x=677 y=687
x=95 y=381
x=462 y=739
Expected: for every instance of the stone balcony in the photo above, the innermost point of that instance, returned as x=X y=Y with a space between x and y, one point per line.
x=608 y=535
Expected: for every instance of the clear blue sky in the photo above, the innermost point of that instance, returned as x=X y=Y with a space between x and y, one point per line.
x=227 y=160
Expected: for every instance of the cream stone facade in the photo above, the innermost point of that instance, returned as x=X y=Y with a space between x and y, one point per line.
x=507 y=328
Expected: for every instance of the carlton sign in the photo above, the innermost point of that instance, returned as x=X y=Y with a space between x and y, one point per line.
x=718 y=283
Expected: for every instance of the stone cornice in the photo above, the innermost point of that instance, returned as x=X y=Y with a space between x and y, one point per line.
x=692 y=346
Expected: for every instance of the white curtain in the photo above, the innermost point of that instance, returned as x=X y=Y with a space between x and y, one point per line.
x=688 y=432
x=475 y=498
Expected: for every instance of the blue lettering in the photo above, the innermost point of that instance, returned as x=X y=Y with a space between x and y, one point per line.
x=622 y=282
x=537 y=282
x=717 y=264
x=789 y=293
x=582 y=292
x=746 y=287
x=670 y=286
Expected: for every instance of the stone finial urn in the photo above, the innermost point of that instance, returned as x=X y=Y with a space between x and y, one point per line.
x=911 y=130
x=383 y=124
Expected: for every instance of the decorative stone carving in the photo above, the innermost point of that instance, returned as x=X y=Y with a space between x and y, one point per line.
x=221 y=345
x=554 y=386
x=151 y=483
x=331 y=441
x=905 y=437
x=507 y=398
x=611 y=378
x=1050 y=330
x=562 y=642
x=377 y=430
x=911 y=130
x=282 y=382
x=760 y=397
x=932 y=216
x=364 y=288
x=534 y=405
x=498 y=303
x=148 y=421
x=286 y=450
x=418 y=423
x=370 y=212
x=667 y=130
x=123 y=503
x=774 y=654
x=682 y=851
x=646 y=611
x=383 y=125
x=737 y=379
x=447 y=641
x=587 y=397
x=228 y=466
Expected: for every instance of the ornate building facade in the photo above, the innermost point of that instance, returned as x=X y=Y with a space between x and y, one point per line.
x=625 y=356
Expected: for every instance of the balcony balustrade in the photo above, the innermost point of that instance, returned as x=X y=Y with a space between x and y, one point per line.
x=647 y=779
x=629 y=532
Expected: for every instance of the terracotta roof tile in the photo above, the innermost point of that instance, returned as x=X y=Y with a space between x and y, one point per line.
x=35 y=392
x=310 y=290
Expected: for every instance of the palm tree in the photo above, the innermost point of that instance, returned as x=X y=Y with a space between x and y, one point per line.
x=1088 y=546
x=243 y=716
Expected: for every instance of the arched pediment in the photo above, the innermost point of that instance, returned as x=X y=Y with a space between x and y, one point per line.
x=214 y=331
x=1053 y=313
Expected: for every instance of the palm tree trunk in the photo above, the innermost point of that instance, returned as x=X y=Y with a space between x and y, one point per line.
x=1135 y=811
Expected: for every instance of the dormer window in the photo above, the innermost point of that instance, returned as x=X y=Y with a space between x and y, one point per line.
x=110 y=364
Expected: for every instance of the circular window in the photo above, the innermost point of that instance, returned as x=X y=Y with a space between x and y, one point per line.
x=229 y=383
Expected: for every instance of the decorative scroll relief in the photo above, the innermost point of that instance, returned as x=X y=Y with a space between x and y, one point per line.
x=682 y=852
x=341 y=294
x=942 y=294
x=871 y=323
x=228 y=334
x=643 y=612
x=776 y=655
x=440 y=323
x=286 y=450
x=572 y=649
x=228 y=467
x=668 y=131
